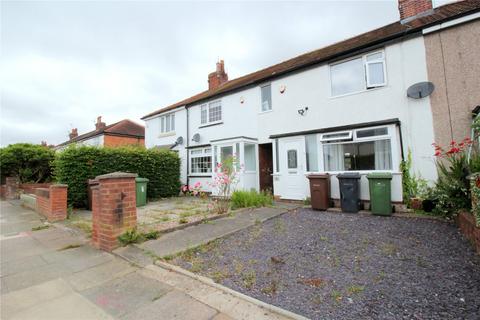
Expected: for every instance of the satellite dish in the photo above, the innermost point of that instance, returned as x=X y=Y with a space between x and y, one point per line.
x=179 y=140
x=196 y=137
x=420 y=90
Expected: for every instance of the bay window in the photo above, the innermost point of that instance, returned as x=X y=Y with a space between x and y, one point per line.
x=358 y=74
x=368 y=149
x=201 y=161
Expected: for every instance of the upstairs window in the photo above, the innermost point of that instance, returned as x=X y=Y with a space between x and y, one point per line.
x=167 y=123
x=358 y=74
x=266 y=98
x=211 y=112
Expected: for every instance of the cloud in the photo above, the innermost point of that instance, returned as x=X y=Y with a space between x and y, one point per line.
x=65 y=63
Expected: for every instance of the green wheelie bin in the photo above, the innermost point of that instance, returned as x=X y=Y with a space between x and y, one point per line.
x=141 y=186
x=380 y=193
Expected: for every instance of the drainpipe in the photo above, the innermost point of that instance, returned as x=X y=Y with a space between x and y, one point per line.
x=187 y=144
x=401 y=139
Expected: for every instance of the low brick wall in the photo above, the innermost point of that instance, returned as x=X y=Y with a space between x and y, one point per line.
x=29 y=188
x=467 y=224
x=12 y=185
x=17 y=188
x=52 y=202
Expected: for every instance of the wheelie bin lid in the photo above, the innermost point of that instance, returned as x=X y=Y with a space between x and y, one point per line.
x=138 y=179
x=349 y=175
x=318 y=176
x=379 y=175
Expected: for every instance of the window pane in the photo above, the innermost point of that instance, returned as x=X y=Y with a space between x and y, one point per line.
x=196 y=152
x=226 y=152
x=277 y=155
x=266 y=98
x=375 y=56
x=372 y=132
x=172 y=127
x=347 y=77
x=208 y=150
x=167 y=123
x=365 y=156
x=203 y=115
x=333 y=157
x=383 y=155
x=215 y=111
x=237 y=155
x=312 y=154
x=292 y=159
x=375 y=74
x=201 y=165
x=162 y=125
x=250 y=163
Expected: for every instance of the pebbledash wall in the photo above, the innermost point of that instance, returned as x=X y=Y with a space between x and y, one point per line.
x=242 y=116
x=454 y=67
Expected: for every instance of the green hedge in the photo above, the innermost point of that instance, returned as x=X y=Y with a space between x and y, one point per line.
x=76 y=164
x=31 y=163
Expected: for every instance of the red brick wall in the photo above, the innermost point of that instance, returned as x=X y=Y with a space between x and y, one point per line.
x=12 y=185
x=116 y=141
x=410 y=8
x=114 y=208
x=30 y=187
x=466 y=223
x=52 y=202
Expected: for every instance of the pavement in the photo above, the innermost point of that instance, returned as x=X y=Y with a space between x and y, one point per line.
x=54 y=273
x=181 y=240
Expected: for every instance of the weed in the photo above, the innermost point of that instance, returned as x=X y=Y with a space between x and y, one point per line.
x=307 y=201
x=131 y=236
x=389 y=249
x=272 y=288
x=70 y=246
x=219 y=275
x=238 y=266
x=164 y=219
x=249 y=279
x=317 y=299
x=152 y=235
x=197 y=265
x=158 y=296
x=258 y=221
x=183 y=220
x=69 y=211
x=85 y=226
x=354 y=289
x=42 y=227
x=252 y=198
x=168 y=257
x=323 y=238
x=336 y=295
x=381 y=275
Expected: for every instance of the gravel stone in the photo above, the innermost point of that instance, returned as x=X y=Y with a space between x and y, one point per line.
x=349 y=266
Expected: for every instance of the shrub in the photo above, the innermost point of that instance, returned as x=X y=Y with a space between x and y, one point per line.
x=28 y=162
x=412 y=186
x=452 y=190
x=246 y=199
x=76 y=164
x=224 y=181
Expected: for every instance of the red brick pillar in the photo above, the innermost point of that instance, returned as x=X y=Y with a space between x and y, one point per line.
x=114 y=208
x=58 y=202
x=12 y=185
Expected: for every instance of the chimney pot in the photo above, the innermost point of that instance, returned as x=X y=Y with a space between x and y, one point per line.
x=100 y=125
x=219 y=77
x=411 y=8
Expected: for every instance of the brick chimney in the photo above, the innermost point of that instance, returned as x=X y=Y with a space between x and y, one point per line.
x=215 y=79
x=412 y=8
x=73 y=134
x=100 y=125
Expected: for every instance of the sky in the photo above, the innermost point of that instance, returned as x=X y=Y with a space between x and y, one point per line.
x=64 y=63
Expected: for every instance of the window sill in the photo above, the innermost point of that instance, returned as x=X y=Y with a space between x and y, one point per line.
x=210 y=124
x=166 y=134
x=264 y=112
x=200 y=175
x=358 y=92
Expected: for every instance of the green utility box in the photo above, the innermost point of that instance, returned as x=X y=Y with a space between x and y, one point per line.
x=141 y=184
x=380 y=193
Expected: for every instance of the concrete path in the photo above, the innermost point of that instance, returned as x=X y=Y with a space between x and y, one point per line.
x=178 y=241
x=54 y=274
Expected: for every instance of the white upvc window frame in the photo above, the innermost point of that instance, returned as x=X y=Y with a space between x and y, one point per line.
x=166 y=127
x=366 y=72
x=391 y=136
x=348 y=137
x=200 y=153
x=205 y=113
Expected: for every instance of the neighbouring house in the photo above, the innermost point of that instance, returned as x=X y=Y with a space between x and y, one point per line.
x=121 y=133
x=340 y=108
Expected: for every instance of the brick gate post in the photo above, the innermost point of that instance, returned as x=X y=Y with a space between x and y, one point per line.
x=114 y=208
x=12 y=186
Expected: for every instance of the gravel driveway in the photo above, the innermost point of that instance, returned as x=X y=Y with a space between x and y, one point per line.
x=347 y=266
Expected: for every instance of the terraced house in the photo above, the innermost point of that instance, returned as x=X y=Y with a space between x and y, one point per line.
x=360 y=104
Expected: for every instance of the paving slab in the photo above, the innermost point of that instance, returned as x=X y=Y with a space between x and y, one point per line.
x=72 y=306
x=19 y=247
x=20 y=265
x=78 y=259
x=135 y=255
x=19 y=300
x=100 y=274
x=126 y=294
x=173 y=305
x=178 y=241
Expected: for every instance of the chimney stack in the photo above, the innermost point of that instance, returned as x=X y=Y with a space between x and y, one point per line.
x=217 y=78
x=100 y=125
x=73 y=134
x=412 y=8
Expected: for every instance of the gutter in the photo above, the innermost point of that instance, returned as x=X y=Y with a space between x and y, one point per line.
x=452 y=23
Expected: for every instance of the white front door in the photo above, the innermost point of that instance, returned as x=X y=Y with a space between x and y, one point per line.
x=293 y=171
